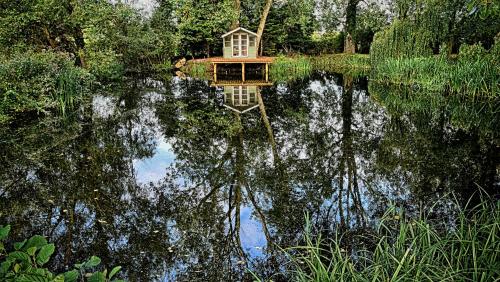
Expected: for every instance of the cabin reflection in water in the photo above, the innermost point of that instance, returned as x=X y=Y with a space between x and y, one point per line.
x=241 y=98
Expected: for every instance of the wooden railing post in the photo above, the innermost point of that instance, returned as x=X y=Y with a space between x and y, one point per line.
x=215 y=72
x=243 y=72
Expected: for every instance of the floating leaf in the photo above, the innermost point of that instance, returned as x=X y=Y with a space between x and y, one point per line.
x=44 y=254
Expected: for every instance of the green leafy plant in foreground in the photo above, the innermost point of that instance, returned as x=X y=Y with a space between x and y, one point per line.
x=26 y=263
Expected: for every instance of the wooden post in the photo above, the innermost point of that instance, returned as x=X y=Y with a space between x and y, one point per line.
x=267 y=72
x=215 y=72
x=243 y=72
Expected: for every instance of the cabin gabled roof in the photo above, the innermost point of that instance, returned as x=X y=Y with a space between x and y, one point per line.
x=238 y=29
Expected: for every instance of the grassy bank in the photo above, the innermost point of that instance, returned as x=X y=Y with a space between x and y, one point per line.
x=474 y=77
x=40 y=82
x=405 y=249
x=290 y=68
x=355 y=64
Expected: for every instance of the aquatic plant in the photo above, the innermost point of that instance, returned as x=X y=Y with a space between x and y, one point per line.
x=407 y=249
x=474 y=73
x=26 y=262
x=350 y=64
x=290 y=68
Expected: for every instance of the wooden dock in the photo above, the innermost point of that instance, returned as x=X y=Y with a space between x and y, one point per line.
x=241 y=83
x=221 y=60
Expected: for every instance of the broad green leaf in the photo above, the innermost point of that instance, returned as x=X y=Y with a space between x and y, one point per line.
x=114 y=271
x=17 y=267
x=32 y=278
x=31 y=251
x=20 y=256
x=35 y=241
x=59 y=278
x=4 y=231
x=93 y=261
x=78 y=265
x=71 y=276
x=44 y=254
x=97 y=277
x=4 y=267
x=19 y=245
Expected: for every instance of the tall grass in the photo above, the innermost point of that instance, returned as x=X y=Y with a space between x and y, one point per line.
x=407 y=249
x=350 y=64
x=198 y=69
x=290 y=68
x=475 y=73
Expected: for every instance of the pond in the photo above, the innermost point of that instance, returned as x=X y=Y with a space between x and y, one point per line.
x=181 y=180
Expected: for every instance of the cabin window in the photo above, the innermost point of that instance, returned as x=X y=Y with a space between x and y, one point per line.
x=244 y=45
x=244 y=96
x=252 y=97
x=227 y=41
x=236 y=96
x=251 y=41
x=236 y=45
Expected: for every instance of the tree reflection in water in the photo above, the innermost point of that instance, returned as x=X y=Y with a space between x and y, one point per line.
x=166 y=180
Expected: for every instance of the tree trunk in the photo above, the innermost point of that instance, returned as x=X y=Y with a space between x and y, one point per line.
x=262 y=23
x=350 y=26
x=237 y=8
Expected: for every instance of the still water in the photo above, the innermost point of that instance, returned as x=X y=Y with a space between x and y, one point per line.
x=183 y=180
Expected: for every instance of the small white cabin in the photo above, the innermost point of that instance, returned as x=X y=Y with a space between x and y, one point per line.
x=240 y=43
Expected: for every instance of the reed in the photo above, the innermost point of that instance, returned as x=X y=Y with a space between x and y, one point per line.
x=350 y=64
x=196 y=69
x=409 y=249
x=290 y=68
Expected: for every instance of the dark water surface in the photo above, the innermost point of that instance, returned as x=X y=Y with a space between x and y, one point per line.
x=171 y=181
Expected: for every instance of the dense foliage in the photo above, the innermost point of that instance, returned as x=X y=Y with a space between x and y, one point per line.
x=38 y=81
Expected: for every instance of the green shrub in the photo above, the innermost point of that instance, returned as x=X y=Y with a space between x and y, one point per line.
x=328 y=43
x=26 y=262
x=105 y=65
x=39 y=82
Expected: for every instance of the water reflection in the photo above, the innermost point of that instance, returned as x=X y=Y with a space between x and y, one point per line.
x=178 y=180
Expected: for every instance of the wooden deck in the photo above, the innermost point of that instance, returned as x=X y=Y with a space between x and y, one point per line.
x=222 y=60
x=241 y=83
